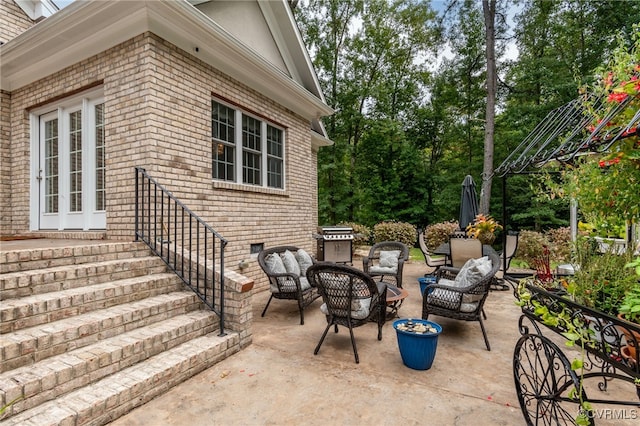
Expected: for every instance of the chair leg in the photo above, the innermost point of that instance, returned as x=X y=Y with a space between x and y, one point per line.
x=484 y=333
x=353 y=343
x=265 y=308
x=301 y=308
x=483 y=314
x=322 y=339
x=382 y=316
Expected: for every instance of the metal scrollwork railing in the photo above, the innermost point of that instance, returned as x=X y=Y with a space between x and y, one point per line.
x=546 y=380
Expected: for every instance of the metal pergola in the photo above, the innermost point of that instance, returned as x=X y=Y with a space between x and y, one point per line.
x=565 y=134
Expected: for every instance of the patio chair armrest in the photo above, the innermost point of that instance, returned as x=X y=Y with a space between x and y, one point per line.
x=448 y=272
x=365 y=264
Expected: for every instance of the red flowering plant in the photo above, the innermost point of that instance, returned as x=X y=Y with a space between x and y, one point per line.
x=605 y=184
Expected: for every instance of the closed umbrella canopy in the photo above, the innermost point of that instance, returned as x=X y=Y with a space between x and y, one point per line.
x=468 y=203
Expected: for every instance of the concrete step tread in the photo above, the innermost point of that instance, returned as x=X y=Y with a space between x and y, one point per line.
x=48 y=299
x=47 y=378
x=23 y=275
x=24 y=259
x=80 y=330
x=118 y=393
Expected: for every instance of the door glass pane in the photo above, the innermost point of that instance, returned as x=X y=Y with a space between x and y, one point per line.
x=51 y=166
x=75 y=161
x=100 y=169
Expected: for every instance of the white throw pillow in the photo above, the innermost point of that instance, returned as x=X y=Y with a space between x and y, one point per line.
x=359 y=309
x=389 y=258
x=290 y=263
x=304 y=260
x=274 y=263
x=484 y=265
x=468 y=274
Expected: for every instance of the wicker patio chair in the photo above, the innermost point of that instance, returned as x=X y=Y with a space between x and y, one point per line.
x=351 y=298
x=386 y=261
x=432 y=262
x=285 y=281
x=461 y=299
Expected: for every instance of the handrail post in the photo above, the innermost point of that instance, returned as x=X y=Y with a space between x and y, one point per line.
x=222 y=246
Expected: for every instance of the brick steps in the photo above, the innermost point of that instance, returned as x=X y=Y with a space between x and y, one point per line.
x=88 y=332
x=30 y=259
x=57 y=375
x=115 y=395
x=27 y=346
x=57 y=278
x=47 y=307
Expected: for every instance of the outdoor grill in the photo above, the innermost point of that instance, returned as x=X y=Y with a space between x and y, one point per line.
x=335 y=244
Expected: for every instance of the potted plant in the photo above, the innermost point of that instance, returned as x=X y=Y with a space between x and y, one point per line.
x=483 y=228
x=629 y=311
x=417 y=341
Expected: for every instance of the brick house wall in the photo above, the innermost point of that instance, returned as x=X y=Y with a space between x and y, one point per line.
x=5 y=166
x=14 y=20
x=158 y=116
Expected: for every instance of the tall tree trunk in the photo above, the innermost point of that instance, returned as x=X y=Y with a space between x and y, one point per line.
x=489 y=9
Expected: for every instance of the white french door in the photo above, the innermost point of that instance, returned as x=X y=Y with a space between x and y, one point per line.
x=70 y=171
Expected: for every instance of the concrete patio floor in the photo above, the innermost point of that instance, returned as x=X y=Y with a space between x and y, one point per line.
x=279 y=381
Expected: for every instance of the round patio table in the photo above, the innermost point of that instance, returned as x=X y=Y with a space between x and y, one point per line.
x=395 y=296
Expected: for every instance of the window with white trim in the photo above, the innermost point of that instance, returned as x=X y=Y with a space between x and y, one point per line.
x=246 y=149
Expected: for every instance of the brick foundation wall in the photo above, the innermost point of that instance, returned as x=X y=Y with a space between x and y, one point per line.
x=158 y=116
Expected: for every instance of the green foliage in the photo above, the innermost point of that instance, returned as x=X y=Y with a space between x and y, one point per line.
x=438 y=233
x=630 y=307
x=531 y=246
x=601 y=279
x=406 y=132
x=363 y=233
x=395 y=231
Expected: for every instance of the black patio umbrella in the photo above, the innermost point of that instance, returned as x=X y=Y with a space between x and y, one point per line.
x=468 y=203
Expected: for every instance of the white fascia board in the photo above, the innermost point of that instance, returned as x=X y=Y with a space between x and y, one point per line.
x=289 y=41
x=84 y=29
x=37 y=9
x=75 y=33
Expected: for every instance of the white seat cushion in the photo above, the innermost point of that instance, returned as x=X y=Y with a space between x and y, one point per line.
x=383 y=270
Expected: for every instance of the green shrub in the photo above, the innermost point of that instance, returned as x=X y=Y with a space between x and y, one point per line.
x=363 y=233
x=395 y=231
x=560 y=244
x=530 y=246
x=438 y=233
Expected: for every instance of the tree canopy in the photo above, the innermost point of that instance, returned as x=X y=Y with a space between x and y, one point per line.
x=409 y=87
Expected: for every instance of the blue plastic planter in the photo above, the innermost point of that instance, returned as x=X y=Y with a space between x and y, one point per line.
x=425 y=281
x=417 y=350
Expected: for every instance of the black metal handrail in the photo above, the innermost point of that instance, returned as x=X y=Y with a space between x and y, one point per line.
x=189 y=246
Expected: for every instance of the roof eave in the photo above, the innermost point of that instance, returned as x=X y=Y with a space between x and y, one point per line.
x=84 y=29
